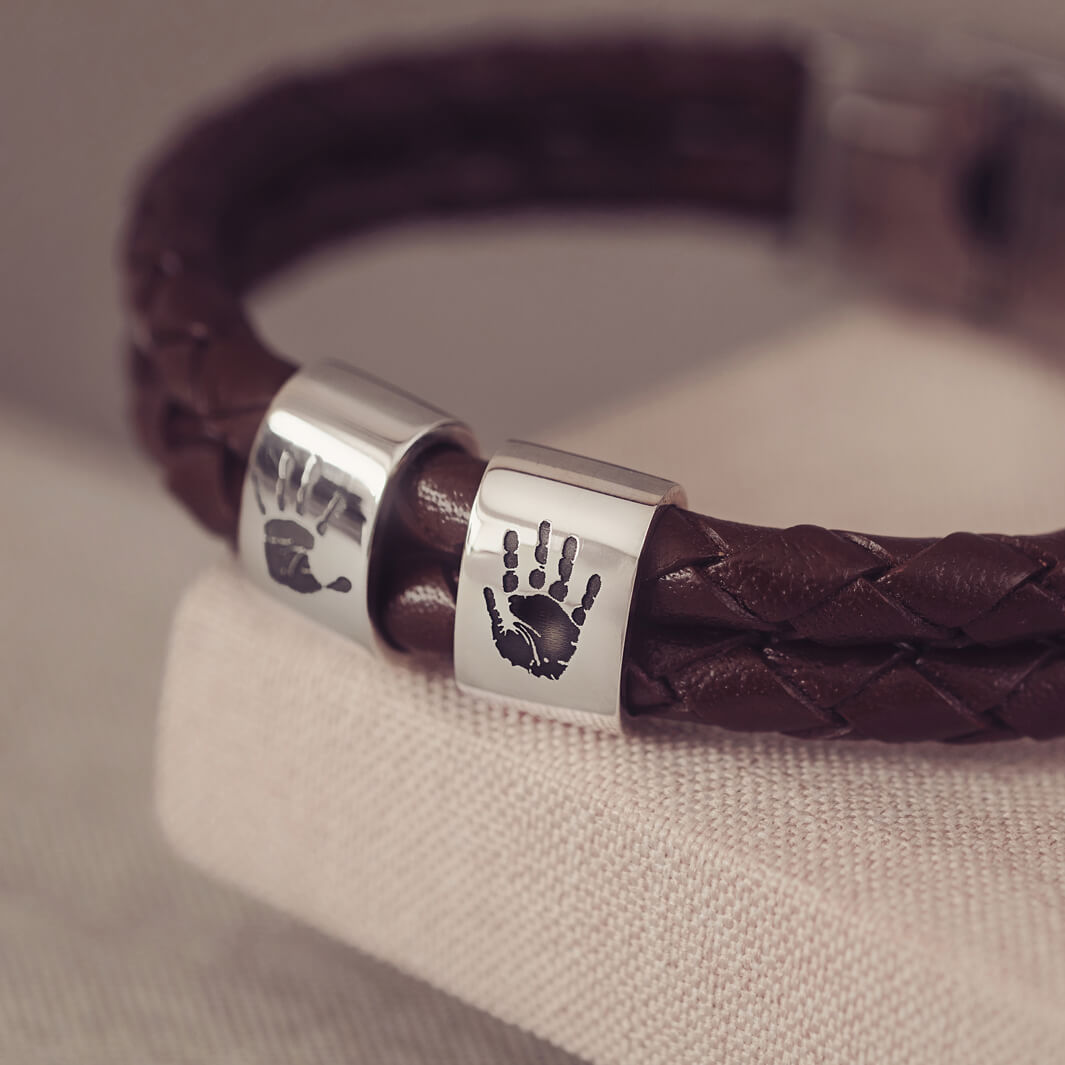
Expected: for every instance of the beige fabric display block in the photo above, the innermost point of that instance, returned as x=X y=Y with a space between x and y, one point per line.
x=680 y=896
x=112 y=952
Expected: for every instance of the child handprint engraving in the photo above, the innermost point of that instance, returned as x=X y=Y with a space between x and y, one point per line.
x=539 y=636
x=288 y=543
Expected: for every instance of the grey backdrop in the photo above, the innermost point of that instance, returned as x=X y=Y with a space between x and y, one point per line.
x=87 y=88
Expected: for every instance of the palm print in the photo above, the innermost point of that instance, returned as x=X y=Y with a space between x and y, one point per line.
x=539 y=636
x=287 y=542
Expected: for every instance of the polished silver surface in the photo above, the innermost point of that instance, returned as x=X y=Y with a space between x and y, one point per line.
x=547 y=576
x=937 y=165
x=317 y=483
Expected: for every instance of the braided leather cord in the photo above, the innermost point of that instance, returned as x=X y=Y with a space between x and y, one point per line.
x=802 y=630
x=817 y=632
x=807 y=631
x=311 y=159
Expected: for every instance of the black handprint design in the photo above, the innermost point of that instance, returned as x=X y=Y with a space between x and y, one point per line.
x=288 y=543
x=541 y=637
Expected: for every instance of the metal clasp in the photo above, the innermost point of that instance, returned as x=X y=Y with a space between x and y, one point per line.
x=942 y=172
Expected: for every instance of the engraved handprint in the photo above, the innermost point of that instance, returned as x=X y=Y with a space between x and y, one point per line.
x=288 y=542
x=539 y=636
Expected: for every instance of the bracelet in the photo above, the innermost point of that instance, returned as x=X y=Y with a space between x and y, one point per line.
x=551 y=579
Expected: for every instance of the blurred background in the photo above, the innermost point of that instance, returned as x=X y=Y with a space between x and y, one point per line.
x=87 y=89
x=109 y=950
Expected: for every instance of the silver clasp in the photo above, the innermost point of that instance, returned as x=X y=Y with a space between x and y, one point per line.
x=942 y=172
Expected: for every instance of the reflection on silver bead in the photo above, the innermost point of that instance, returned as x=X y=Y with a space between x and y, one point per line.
x=547 y=577
x=324 y=459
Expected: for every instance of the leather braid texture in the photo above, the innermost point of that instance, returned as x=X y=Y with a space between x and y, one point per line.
x=308 y=159
x=824 y=633
x=804 y=630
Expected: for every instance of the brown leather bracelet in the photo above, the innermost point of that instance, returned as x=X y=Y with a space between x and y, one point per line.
x=806 y=631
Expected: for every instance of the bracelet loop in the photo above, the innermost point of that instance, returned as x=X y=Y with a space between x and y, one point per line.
x=805 y=630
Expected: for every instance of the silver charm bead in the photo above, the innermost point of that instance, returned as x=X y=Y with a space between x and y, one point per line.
x=547 y=578
x=317 y=485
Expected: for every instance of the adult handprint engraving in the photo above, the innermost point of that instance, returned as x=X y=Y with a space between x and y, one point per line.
x=539 y=636
x=287 y=542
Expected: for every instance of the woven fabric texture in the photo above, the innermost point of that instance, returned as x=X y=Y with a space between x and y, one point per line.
x=664 y=898
x=673 y=897
x=112 y=952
